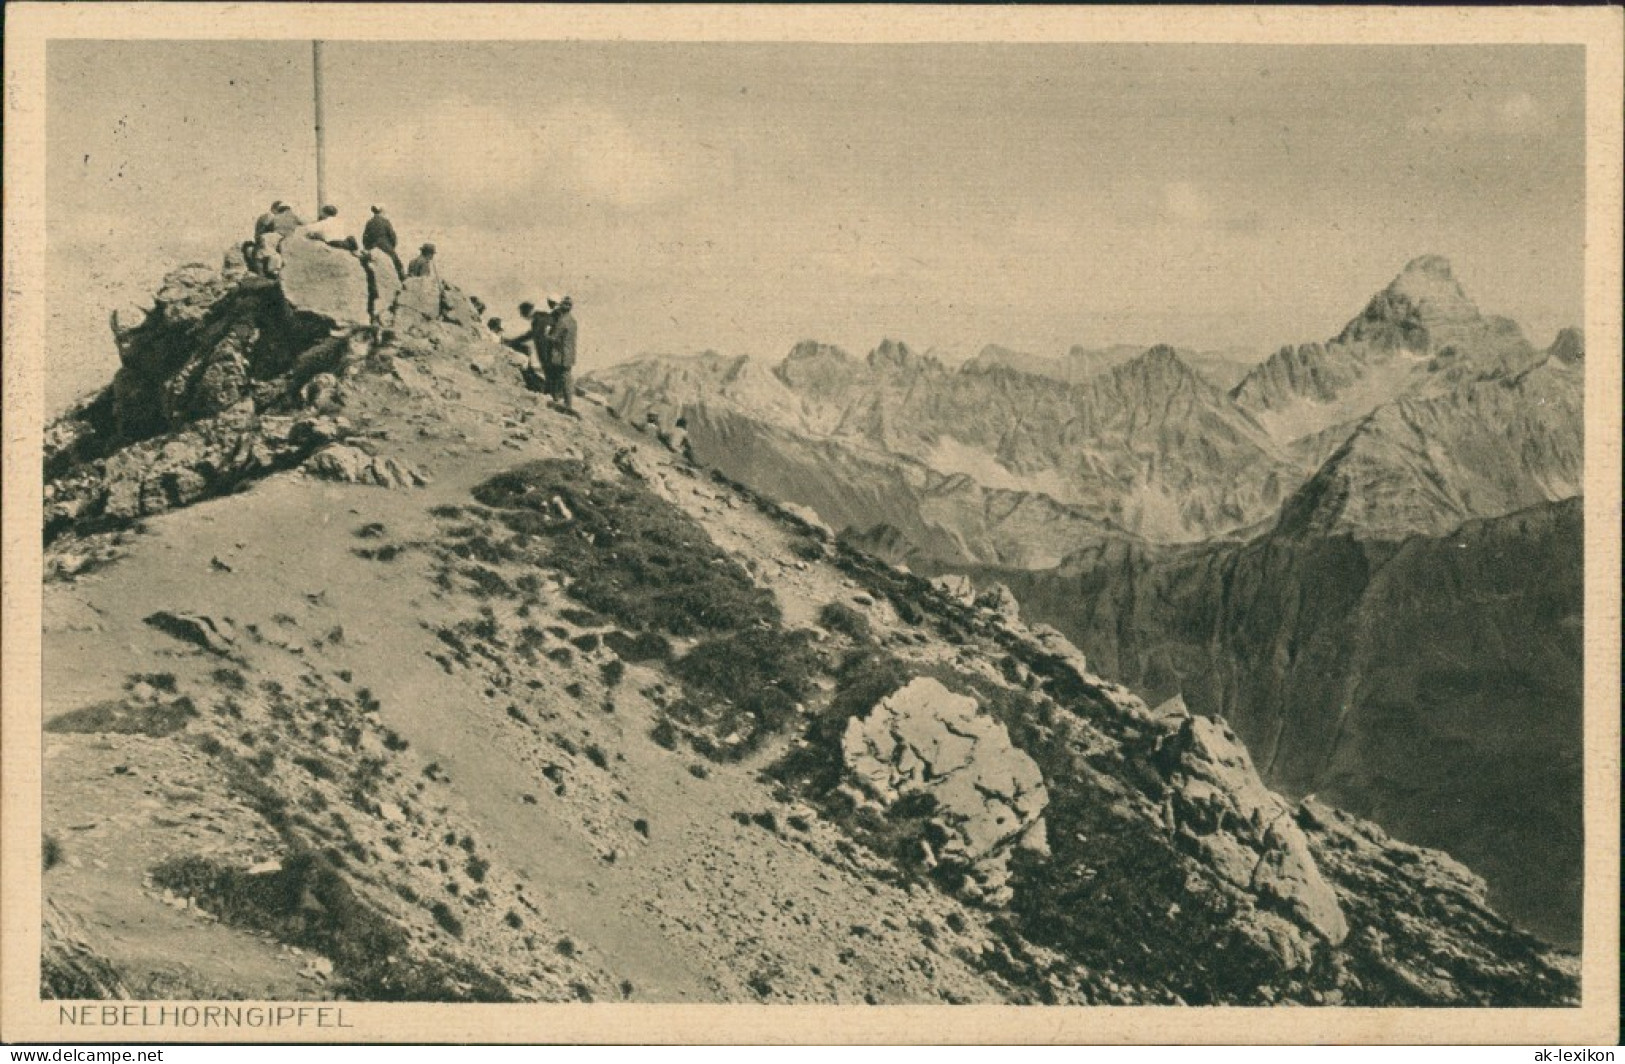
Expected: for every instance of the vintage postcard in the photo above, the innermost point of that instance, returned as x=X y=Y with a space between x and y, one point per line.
x=829 y=524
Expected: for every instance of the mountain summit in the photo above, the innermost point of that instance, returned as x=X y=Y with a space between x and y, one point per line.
x=444 y=695
x=1421 y=335
x=1420 y=308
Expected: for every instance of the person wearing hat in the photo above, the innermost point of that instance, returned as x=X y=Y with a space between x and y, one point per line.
x=269 y=231
x=284 y=221
x=562 y=349
x=379 y=234
x=423 y=265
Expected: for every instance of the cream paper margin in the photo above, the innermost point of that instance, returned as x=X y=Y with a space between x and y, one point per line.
x=23 y=1017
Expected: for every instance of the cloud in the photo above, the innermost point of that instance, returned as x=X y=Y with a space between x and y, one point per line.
x=1188 y=205
x=509 y=164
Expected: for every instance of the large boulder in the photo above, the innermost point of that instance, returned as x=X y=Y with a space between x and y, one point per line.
x=986 y=797
x=323 y=282
x=351 y=465
x=1218 y=808
x=417 y=303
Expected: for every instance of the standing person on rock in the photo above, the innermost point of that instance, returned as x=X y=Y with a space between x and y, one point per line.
x=379 y=234
x=562 y=338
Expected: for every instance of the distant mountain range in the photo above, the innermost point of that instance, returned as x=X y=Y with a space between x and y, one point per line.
x=1225 y=367
x=1366 y=554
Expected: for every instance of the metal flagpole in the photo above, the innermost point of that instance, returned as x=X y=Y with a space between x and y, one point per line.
x=321 y=141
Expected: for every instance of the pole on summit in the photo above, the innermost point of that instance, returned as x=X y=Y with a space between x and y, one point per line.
x=321 y=140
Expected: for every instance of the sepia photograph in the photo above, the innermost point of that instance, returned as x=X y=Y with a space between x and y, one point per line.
x=897 y=516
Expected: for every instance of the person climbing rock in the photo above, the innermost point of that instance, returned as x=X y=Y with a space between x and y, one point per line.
x=423 y=265
x=379 y=234
x=332 y=230
x=269 y=232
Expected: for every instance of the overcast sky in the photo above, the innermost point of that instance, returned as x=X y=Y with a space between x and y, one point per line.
x=742 y=197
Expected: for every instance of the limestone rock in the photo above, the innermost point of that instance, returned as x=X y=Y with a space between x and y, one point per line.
x=1054 y=643
x=204 y=632
x=1222 y=810
x=323 y=282
x=384 y=285
x=957 y=587
x=352 y=465
x=1000 y=600
x=987 y=796
x=417 y=303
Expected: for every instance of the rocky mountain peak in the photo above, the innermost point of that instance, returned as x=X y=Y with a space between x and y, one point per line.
x=1158 y=367
x=896 y=356
x=814 y=350
x=1424 y=301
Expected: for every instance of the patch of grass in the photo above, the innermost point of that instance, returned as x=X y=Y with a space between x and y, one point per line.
x=476 y=867
x=488 y=583
x=447 y=919
x=745 y=686
x=664 y=734
x=447 y=511
x=630 y=554
x=115 y=717
x=230 y=679
x=315 y=766
x=839 y=617
x=50 y=852
x=644 y=646
x=370 y=530
x=308 y=903
x=612 y=672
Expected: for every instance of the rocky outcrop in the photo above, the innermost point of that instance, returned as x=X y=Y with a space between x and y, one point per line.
x=227 y=377
x=207 y=458
x=352 y=465
x=204 y=632
x=985 y=797
x=1218 y=807
x=70 y=969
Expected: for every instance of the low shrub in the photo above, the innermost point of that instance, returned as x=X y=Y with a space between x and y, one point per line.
x=156 y=719
x=630 y=554
x=839 y=617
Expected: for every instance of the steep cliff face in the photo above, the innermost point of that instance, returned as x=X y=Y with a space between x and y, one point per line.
x=498 y=704
x=1431 y=684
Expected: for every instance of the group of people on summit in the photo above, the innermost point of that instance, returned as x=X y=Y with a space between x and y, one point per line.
x=264 y=252
x=549 y=341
